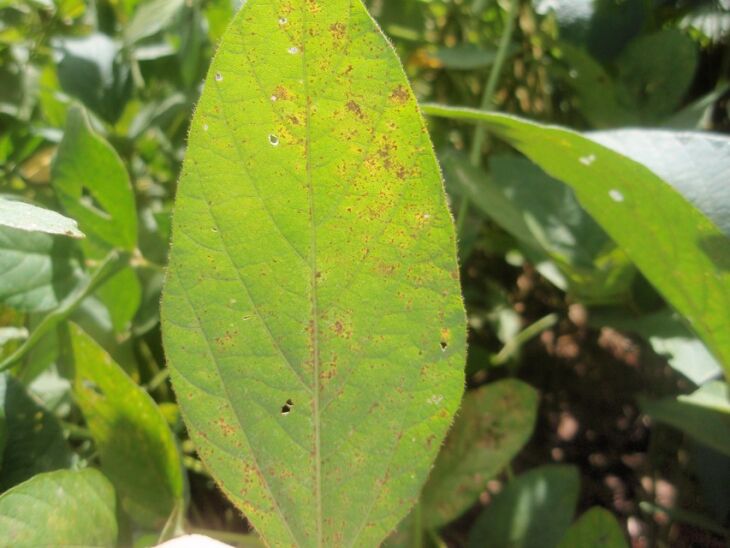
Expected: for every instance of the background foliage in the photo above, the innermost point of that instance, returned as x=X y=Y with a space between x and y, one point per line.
x=585 y=388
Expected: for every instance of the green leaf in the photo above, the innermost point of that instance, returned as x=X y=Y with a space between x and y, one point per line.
x=494 y=423
x=93 y=70
x=597 y=527
x=533 y=511
x=696 y=164
x=122 y=296
x=713 y=395
x=34 y=441
x=703 y=415
x=657 y=70
x=150 y=18
x=60 y=508
x=37 y=271
x=93 y=186
x=659 y=230
x=669 y=337
x=137 y=449
x=465 y=57
x=31 y=218
x=313 y=262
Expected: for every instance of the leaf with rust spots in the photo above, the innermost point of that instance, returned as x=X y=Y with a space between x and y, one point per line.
x=494 y=423
x=312 y=261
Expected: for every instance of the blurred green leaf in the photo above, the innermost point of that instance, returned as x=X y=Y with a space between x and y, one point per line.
x=137 y=450
x=465 y=57
x=596 y=528
x=669 y=337
x=62 y=508
x=713 y=395
x=37 y=271
x=122 y=295
x=703 y=415
x=657 y=70
x=93 y=186
x=680 y=251
x=494 y=423
x=92 y=70
x=23 y=216
x=150 y=18
x=534 y=510
x=34 y=442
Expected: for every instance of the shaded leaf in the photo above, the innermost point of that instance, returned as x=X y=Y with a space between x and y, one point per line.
x=122 y=296
x=534 y=510
x=92 y=70
x=37 y=271
x=137 y=449
x=62 y=508
x=703 y=415
x=597 y=527
x=93 y=186
x=31 y=218
x=657 y=70
x=150 y=18
x=466 y=57
x=659 y=230
x=494 y=423
x=34 y=442
x=308 y=138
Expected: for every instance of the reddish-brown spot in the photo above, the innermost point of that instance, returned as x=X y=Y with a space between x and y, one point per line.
x=400 y=95
x=338 y=30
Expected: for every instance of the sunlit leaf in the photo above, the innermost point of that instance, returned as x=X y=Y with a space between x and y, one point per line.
x=312 y=316
x=61 y=508
x=31 y=218
x=137 y=450
x=93 y=186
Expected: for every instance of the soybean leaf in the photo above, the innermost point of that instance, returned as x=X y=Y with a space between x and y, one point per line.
x=597 y=527
x=703 y=415
x=467 y=57
x=34 y=442
x=61 y=508
x=696 y=164
x=121 y=295
x=137 y=449
x=680 y=251
x=150 y=18
x=657 y=70
x=534 y=510
x=92 y=70
x=317 y=373
x=36 y=270
x=93 y=186
x=494 y=423
x=31 y=218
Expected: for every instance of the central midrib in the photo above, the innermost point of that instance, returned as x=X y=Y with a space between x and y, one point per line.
x=314 y=327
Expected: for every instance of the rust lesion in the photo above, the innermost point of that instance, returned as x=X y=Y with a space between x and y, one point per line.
x=338 y=30
x=400 y=95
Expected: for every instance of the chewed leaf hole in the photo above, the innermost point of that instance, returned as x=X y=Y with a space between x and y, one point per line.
x=218 y=76
x=93 y=387
x=444 y=346
x=274 y=140
x=286 y=408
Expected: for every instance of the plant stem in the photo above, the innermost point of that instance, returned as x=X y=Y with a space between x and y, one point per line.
x=513 y=345
x=111 y=264
x=487 y=100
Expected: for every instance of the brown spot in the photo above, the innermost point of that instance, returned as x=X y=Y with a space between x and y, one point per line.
x=281 y=93
x=353 y=107
x=400 y=95
x=338 y=30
